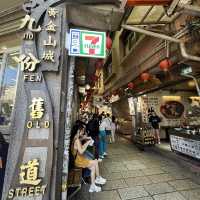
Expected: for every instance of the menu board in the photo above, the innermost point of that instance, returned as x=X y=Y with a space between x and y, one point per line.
x=186 y=146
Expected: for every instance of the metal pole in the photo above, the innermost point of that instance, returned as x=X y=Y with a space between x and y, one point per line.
x=68 y=125
x=150 y=33
x=195 y=80
x=164 y=37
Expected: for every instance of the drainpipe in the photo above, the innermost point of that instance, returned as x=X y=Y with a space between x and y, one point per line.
x=195 y=80
x=164 y=37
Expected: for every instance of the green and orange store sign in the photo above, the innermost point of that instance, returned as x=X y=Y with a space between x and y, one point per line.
x=87 y=43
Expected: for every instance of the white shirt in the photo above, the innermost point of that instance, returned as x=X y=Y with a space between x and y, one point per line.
x=109 y=123
x=103 y=125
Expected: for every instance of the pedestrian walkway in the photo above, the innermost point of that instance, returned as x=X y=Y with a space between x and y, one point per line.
x=136 y=175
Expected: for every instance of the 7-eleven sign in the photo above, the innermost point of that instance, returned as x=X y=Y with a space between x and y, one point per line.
x=87 y=43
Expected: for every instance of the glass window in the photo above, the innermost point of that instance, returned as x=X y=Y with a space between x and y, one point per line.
x=8 y=89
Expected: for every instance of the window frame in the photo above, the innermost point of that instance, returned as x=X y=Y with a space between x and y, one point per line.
x=4 y=129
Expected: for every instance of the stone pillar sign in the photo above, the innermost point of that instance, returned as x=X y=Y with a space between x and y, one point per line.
x=36 y=120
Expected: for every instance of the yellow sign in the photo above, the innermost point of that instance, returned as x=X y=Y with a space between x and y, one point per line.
x=29 y=173
x=37 y=108
x=48 y=56
x=37 y=124
x=50 y=42
x=28 y=21
x=51 y=27
x=28 y=62
x=52 y=12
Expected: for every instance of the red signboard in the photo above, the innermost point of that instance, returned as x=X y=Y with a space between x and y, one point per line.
x=148 y=2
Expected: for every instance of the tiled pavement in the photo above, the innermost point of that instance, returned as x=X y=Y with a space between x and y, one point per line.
x=136 y=175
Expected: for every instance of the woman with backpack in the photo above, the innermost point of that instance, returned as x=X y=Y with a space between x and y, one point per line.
x=81 y=161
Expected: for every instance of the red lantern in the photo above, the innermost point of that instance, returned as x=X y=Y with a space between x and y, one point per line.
x=131 y=85
x=108 y=43
x=165 y=64
x=147 y=2
x=94 y=77
x=145 y=76
x=99 y=64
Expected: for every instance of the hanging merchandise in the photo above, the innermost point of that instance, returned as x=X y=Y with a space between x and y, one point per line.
x=145 y=76
x=115 y=92
x=99 y=64
x=108 y=42
x=131 y=85
x=87 y=87
x=94 y=78
x=165 y=64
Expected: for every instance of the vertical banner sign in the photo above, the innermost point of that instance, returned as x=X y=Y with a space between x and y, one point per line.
x=87 y=43
x=29 y=168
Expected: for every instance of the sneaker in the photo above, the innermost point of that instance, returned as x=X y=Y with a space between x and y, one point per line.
x=94 y=188
x=101 y=181
x=101 y=157
x=105 y=154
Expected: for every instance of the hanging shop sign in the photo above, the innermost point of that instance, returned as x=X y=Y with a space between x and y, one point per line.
x=87 y=43
x=34 y=124
x=131 y=103
x=186 y=70
x=30 y=183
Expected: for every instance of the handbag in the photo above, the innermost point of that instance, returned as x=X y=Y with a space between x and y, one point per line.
x=108 y=132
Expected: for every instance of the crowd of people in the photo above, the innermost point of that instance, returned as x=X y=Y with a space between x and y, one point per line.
x=93 y=131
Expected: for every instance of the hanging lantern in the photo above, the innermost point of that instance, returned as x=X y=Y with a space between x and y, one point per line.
x=94 y=78
x=147 y=2
x=87 y=87
x=99 y=64
x=145 y=76
x=108 y=43
x=131 y=85
x=165 y=64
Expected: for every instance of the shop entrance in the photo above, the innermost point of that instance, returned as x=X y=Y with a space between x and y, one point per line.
x=177 y=107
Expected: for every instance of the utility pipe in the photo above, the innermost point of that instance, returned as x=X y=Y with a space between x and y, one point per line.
x=195 y=80
x=164 y=37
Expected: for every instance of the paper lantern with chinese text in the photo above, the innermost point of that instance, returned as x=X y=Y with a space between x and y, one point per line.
x=131 y=85
x=165 y=64
x=108 y=43
x=145 y=76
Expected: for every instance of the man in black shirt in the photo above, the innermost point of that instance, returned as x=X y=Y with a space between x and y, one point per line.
x=93 y=131
x=155 y=120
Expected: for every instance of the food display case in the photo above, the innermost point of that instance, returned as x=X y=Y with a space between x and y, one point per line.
x=186 y=141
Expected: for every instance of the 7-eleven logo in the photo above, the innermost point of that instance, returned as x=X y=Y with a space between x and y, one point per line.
x=92 y=44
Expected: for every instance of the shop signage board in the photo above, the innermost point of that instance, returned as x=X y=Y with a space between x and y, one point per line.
x=187 y=70
x=186 y=146
x=35 y=126
x=87 y=43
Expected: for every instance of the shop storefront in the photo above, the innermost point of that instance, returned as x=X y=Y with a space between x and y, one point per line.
x=120 y=109
x=178 y=107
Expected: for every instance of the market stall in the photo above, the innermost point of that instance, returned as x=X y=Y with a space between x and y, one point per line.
x=186 y=141
x=176 y=108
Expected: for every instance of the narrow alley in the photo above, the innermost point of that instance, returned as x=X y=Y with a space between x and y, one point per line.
x=134 y=174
